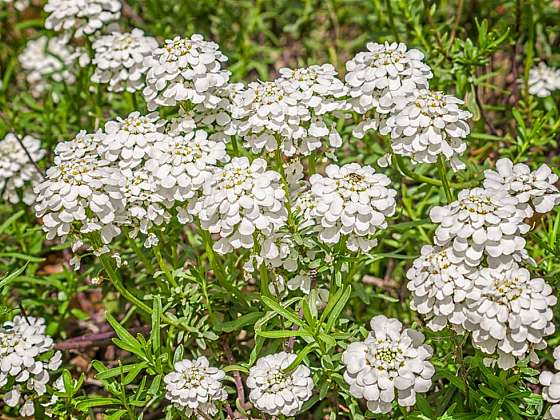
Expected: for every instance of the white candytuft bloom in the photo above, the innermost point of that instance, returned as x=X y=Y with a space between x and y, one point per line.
x=22 y=342
x=127 y=141
x=543 y=80
x=185 y=70
x=439 y=282
x=534 y=189
x=81 y=17
x=195 y=387
x=509 y=313
x=19 y=5
x=84 y=144
x=482 y=222
x=239 y=200
x=80 y=195
x=391 y=363
x=428 y=124
x=351 y=201
x=17 y=174
x=291 y=113
x=386 y=71
x=45 y=60
x=551 y=388
x=119 y=60
x=275 y=391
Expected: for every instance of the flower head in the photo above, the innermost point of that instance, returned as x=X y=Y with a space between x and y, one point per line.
x=543 y=80
x=391 y=362
x=551 y=387
x=275 y=391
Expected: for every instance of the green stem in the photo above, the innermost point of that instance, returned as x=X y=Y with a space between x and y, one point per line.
x=445 y=182
x=163 y=266
x=147 y=263
x=392 y=20
x=312 y=163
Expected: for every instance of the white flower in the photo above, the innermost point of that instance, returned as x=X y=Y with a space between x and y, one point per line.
x=194 y=387
x=19 y=5
x=80 y=196
x=534 y=190
x=543 y=80
x=439 y=283
x=481 y=222
x=427 y=124
x=275 y=391
x=81 y=17
x=22 y=342
x=17 y=174
x=551 y=387
x=185 y=70
x=119 y=60
x=302 y=281
x=391 y=362
x=352 y=201
x=45 y=60
x=509 y=313
x=240 y=200
x=127 y=141
x=84 y=144
x=386 y=71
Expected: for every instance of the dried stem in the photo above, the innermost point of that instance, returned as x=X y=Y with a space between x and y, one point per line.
x=236 y=377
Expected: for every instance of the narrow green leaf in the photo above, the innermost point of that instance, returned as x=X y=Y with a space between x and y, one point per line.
x=285 y=312
x=284 y=333
x=12 y=276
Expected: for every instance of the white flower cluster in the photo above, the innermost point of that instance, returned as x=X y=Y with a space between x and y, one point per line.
x=471 y=280
x=45 y=60
x=551 y=387
x=291 y=113
x=351 y=201
x=81 y=17
x=119 y=60
x=241 y=200
x=22 y=342
x=185 y=70
x=534 y=190
x=543 y=80
x=195 y=387
x=391 y=363
x=17 y=174
x=276 y=391
x=389 y=85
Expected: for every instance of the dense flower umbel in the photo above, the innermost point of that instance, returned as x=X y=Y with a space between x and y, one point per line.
x=240 y=200
x=195 y=387
x=119 y=60
x=427 y=124
x=551 y=388
x=275 y=391
x=534 y=190
x=439 y=284
x=185 y=70
x=386 y=71
x=482 y=223
x=45 y=60
x=22 y=341
x=81 y=17
x=352 y=201
x=509 y=313
x=17 y=174
x=390 y=363
x=543 y=80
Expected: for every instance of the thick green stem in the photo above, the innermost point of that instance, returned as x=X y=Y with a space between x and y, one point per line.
x=445 y=182
x=163 y=266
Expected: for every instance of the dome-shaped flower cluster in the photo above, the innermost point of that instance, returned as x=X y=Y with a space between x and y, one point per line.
x=185 y=70
x=509 y=313
x=535 y=190
x=276 y=391
x=18 y=174
x=551 y=388
x=351 y=201
x=439 y=282
x=543 y=80
x=119 y=60
x=195 y=387
x=24 y=372
x=391 y=363
x=45 y=60
x=427 y=124
x=81 y=17
x=242 y=199
x=292 y=112
x=482 y=223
